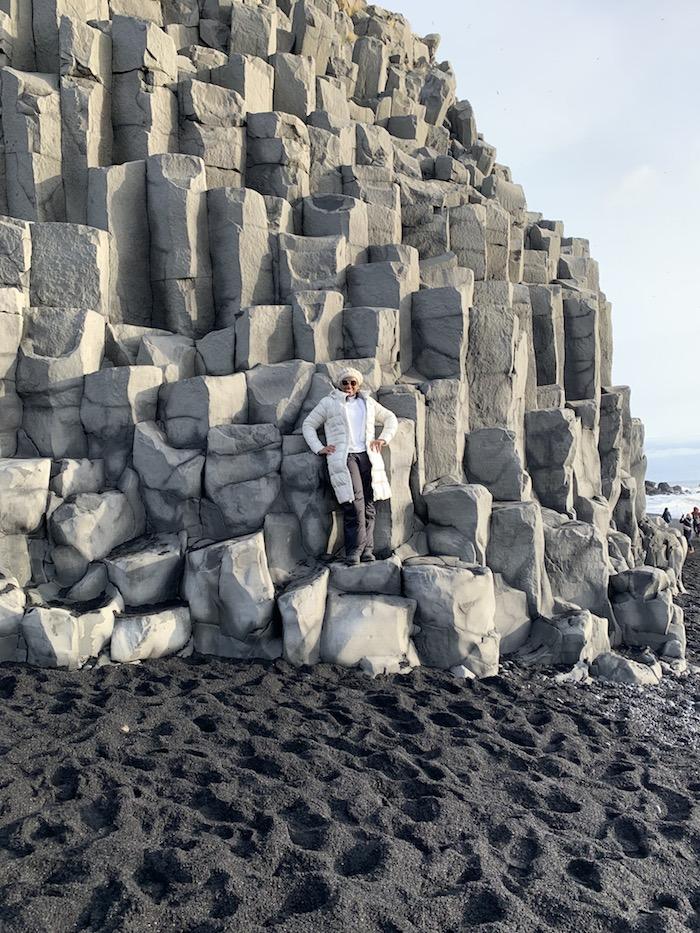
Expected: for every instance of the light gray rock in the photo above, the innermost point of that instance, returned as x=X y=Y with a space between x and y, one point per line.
x=264 y=335
x=94 y=524
x=338 y=215
x=643 y=606
x=408 y=402
x=24 y=489
x=440 y=331
x=456 y=613
x=60 y=346
x=582 y=344
x=230 y=593
x=252 y=77
x=114 y=401
x=551 y=439
x=360 y=626
x=253 y=30
x=57 y=637
x=388 y=281
x=569 y=637
x=497 y=368
x=70 y=267
x=447 y=421
x=283 y=546
x=70 y=477
x=317 y=325
x=614 y=669
x=372 y=332
x=311 y=264
x=150 y=635
x=15 y=252
x=586 y=464
x=302 y=607
x=277 y=392
x=171 y=479
x=140 y=45
x=86 y=138
x=116 y=202
x=215 y=353
x=383 y=576
x=173 y=354
x=240 y=251
x=12 y=605
x=147 y=571
x=493 y=460
x=512 y=619
x=459 y=517
x=516 y=551
x=371 y=57
x=191 y=407
x=180 y=262
x=395 y=517
x=241 y=477
x=576 y=558
x=31 y=112
x=306 y=488
x=295 y=84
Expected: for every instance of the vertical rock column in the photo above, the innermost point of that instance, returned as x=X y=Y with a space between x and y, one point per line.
x=86 y=109
x=180 y=265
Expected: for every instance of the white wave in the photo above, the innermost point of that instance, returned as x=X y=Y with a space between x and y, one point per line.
x=677 y=504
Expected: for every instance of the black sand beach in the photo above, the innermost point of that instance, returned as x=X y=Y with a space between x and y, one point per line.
x=204 y=796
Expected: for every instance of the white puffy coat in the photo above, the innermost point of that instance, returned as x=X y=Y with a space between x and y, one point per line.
x=331 y=412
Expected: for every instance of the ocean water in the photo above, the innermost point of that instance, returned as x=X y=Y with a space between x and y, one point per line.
x=677 y=503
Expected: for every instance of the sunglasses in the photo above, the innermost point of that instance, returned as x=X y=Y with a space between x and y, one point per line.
x=349 y=382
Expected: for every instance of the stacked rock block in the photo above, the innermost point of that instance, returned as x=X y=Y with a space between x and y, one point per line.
x=208 y=210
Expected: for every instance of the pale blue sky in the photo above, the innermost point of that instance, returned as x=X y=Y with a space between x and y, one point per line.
x=594 y=104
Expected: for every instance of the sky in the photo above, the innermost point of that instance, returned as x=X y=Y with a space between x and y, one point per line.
x=595 y=106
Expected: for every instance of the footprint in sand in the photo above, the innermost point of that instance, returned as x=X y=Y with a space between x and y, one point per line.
x=362 y=859
x=632 y=836
x=586 y=873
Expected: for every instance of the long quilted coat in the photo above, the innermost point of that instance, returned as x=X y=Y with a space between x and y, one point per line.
x=331 y=413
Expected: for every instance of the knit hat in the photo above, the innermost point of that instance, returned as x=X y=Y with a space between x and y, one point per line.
x=350 y=373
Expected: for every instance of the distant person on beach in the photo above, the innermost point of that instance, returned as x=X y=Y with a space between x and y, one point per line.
x=666 y=515
x=696 y=521
x=687 y=529
x=355 y=463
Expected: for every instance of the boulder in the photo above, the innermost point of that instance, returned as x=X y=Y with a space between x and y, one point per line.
x=571 y=636
x=516 y=551
x=302 y=607
x=512 y=618
x=147 y=571
x=283 y=546
x=241 y=477
x=551 y=440
x=231 y=598
x=69 y=477
x=382 y=576
x=456 y=609
x=58 y=637
x=612 y=668
x=363 y=626
x=150 y=635
x=277 y=392
x=24 y=489
x=459 y=517
x=576 y=558
x=94 y=524
x=492 y=459
x=191 y=407
x=12 y=604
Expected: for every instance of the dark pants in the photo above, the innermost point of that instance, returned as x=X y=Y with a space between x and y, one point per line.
x=358 y=515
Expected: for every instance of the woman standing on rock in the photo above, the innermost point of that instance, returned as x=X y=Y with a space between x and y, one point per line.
x=355 y=464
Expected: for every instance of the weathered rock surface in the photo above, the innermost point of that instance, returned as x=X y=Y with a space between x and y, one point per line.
x=208 y=210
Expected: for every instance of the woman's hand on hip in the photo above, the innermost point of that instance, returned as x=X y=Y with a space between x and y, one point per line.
x=377 y=444
x=328 y=449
